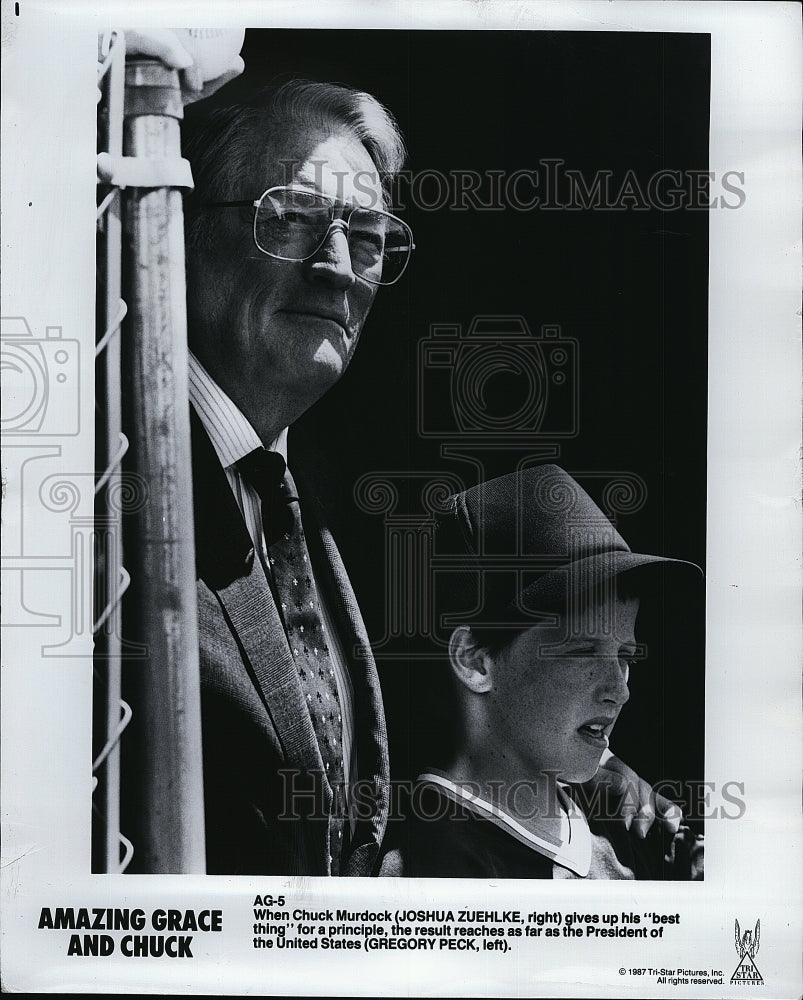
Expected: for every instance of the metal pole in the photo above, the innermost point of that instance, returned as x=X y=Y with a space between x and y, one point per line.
x=168 y=796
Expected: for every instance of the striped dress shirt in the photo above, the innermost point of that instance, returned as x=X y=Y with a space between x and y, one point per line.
x=233 y=438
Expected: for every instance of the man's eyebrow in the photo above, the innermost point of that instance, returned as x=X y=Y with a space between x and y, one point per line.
x=582 y=647
x=311 y=185
x=574 y=647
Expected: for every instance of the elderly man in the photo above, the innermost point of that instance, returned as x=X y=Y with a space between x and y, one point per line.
x=288 y=241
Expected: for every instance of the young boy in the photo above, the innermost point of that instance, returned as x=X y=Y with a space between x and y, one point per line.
x=539 y=673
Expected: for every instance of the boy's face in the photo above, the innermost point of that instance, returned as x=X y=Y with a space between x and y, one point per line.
x=558 y=691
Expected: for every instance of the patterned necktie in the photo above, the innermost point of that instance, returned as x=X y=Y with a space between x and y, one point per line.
x=265 y=471
x=299 y=606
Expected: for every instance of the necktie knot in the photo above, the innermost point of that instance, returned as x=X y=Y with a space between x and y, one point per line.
x=265 y=471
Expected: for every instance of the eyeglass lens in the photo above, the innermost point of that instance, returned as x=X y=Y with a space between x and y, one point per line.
x=293 y=225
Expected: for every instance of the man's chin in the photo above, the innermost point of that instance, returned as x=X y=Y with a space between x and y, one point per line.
x=329 y=359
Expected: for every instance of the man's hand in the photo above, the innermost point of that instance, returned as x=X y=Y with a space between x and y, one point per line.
x=165 y=45
x=640 y=806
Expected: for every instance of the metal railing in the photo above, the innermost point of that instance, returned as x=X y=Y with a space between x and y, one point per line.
x=143 y=507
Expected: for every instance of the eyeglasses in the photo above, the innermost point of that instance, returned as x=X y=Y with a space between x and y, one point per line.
x=293 y=224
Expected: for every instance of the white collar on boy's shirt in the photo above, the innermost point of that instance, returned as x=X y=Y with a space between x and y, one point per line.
x=571 y=848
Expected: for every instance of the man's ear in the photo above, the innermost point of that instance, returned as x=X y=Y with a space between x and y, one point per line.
x=471 y=663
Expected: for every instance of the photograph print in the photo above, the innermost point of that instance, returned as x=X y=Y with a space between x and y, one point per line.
x=405 y=333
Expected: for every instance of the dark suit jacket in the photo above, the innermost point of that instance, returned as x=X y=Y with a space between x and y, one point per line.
x=267 y=803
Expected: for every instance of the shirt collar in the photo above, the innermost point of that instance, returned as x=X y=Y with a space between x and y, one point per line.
x=231 y=433
x=571 y=848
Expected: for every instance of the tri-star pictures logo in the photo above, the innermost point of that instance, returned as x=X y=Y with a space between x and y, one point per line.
x=746 y=948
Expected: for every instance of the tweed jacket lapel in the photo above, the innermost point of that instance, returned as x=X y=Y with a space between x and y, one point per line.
x=251 y=611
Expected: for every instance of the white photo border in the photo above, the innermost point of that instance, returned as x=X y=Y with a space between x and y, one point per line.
x=753 y=713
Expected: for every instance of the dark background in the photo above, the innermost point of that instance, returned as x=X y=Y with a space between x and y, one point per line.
x=630 y=287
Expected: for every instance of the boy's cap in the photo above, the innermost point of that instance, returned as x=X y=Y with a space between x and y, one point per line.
x=526 y=541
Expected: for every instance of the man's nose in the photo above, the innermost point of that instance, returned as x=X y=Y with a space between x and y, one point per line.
x=612 y=683
x=332 y=262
